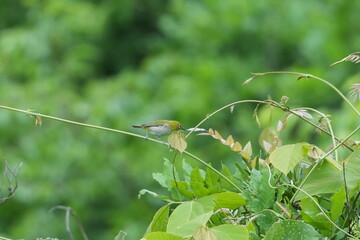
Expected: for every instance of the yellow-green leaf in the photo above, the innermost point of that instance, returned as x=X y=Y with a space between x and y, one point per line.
x=177 y=140
x=286 y=157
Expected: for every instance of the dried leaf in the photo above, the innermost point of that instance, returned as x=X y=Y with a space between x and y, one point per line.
x=177 y=140
x=211 y=131
x=267 y=146
x=350 y=58
x=232 y=108
x=38 y=121
x=236 y=147
x=217 y=135
x=229 y=140
x=247 y=151
x=284 y=210
x=280 y=126
x=303 y=113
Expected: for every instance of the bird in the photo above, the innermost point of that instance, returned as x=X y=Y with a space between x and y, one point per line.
x=160 y=128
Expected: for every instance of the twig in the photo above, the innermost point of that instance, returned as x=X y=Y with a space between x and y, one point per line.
x=69 y=212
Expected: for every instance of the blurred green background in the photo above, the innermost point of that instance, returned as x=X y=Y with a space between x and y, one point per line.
x=115 y=63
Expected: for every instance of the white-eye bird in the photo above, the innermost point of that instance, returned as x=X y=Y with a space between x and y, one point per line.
x=160 y=127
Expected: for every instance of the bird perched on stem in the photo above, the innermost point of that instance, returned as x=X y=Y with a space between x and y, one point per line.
x=160 y=127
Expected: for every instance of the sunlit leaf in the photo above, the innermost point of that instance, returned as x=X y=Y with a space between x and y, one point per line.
x=188 y=216
x=230 y=232
x=177 y=140
x=162 y=236
x=230 y=200
x=286 y=157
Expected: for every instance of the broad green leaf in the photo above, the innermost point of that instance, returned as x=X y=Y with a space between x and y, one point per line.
x=230 y=232
x=337 y=204
x=187 y=217
x=352 y=170
x=291 y=229
x=177 y=140
x=208 y=203
x=204 y=233
x=229 y=200
x=324 y=179
x=197 y=183
x=161 y=236
x=313 y=216
x=286 y=157
x=160 y=220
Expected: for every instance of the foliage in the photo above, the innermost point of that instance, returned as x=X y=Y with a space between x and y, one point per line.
x=282 y=197
x=117 y=63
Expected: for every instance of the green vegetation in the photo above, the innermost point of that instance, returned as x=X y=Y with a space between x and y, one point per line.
x=112 y=64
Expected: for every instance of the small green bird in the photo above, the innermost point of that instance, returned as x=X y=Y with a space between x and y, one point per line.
x=160 y=127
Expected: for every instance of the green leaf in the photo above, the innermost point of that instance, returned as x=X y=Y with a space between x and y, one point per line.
x=184 y=189
x=261 y=195
x=162 y=236
x=212 y=181
x=165 y=178
x=337 y=204
x=312 y=215
x=188 y=216
x=225 y=171
x=197 y=183
x=324 y=179
x=230 y=232
x=352 y=170
x=229 y=200
x=291 y=229
x=208 y=203
x=286 y=157
x=160 y=220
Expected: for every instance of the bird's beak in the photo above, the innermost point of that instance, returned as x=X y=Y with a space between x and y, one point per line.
x=181 y=128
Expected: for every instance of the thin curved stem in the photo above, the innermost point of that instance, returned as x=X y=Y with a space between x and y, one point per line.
x=303 y=75
x=222 y=108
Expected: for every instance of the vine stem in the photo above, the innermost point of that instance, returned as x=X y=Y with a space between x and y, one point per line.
x=303 y=75
x=122 y=132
